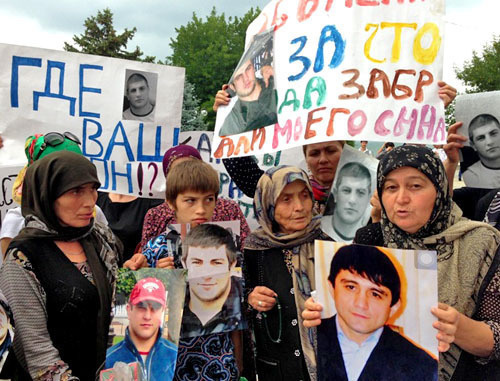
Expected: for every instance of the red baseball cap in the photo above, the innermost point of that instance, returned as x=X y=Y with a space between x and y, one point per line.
x=148 y=289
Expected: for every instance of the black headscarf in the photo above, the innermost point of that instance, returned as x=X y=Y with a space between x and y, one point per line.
x=425 y=161
x=45 y=181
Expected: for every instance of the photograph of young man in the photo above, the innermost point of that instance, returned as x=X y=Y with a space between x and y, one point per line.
x=256 y=104
x=143 y=342
x=352 y=193
x=356 y=344
x=140 y=106
x=213 y=302
x=484 y=137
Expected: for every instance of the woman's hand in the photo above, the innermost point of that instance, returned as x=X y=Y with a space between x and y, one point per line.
x=376 y=212
x=165 y=263
x=454 y=142
x=136 y=262
x=222 y=98
x=262 y=298
x=446 y=92
x=447 y=325
x=312 y=313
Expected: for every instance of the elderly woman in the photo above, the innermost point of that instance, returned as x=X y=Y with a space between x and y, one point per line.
x=418 y=214
x=279 y=270
x=59 y=272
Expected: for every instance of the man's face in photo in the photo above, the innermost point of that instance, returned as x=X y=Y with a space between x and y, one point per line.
x=486 y=140
x=138 y=93
x=209 y=272
x=352 y=196
x=244 y=80
x=362 y=305
x=144 y=319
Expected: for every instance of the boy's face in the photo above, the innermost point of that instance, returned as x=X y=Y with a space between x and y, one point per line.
x=144 y=319
x=194 y=207
x=362 y=306
x=486 y=140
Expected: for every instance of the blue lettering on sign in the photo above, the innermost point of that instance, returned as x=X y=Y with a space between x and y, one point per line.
x=86 y=136
x=306 y=62
x=329 y=33
x=84 y=89
x=125 y=143
x=47 y=93
x=115 y=174
x=140 y=143
x=14 y=80
x=106 y=172
x=204 y=139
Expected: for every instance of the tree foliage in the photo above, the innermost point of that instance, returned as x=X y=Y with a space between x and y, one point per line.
x=210 y=50
x=482 y=72
x=192 y=118
x=101 y=38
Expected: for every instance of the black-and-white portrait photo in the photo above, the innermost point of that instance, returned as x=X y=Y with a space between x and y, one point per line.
x=480 y=114
x=139 y=96
x=252 y=88
x=348 y=205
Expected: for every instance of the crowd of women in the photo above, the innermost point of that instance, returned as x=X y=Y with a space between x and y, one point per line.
x=59 y=271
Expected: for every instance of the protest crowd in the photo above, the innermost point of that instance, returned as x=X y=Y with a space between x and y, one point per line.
x=66 y=245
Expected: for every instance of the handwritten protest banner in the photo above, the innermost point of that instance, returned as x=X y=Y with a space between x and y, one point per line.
x=343 y=70
x=126 y=113
x=8 y=175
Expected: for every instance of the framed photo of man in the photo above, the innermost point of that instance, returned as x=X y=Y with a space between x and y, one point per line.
x=480 y=115
x=139 y=100
x=378 y=299
x=348 y=206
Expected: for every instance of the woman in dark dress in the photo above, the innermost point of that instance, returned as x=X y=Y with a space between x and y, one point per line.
x=279 y=272
x=59 y=273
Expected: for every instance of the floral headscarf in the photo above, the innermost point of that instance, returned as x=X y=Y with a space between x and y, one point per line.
x=174 y=153
x=425 y=161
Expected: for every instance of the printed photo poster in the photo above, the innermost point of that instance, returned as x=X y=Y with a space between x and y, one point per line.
x=125 y=114
x=253 y=96
x=377 y=295
x=148 y=304
x=8 y=175
x=480 y=115
x=348 y=206
x=346 y=70
x=214 y=297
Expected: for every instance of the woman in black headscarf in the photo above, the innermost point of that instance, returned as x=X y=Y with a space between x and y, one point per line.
x=59 y=273
x=418 y=214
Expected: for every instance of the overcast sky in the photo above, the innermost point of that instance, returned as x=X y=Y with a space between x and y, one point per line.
x=470 y=24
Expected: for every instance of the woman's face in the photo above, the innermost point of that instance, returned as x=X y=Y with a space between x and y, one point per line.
x=322 y=160
x=408 y=197
x=293 y=210
x=75 y=207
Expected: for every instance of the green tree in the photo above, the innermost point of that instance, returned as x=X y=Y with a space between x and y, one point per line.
x=210 y=50
x=192 y=118
x=101 y=38
x=482 y=72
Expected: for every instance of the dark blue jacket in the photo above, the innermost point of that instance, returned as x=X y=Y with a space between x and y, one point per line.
x=160 y=363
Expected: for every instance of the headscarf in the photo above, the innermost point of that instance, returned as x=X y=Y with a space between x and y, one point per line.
x=300 y=245
x=33 y=149
x=465 y=249
x=45 y=181
x=174 y=153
